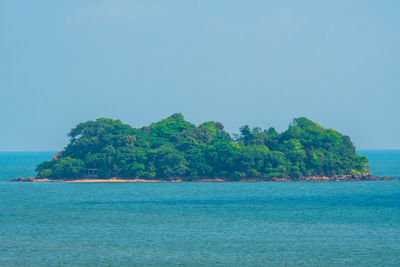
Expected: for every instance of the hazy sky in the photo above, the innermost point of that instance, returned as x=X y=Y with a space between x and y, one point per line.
x=239 y=62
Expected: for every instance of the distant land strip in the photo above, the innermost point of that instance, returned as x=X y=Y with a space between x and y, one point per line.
x=175 y=150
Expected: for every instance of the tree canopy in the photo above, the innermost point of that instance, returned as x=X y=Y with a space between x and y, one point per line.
x=174 y=147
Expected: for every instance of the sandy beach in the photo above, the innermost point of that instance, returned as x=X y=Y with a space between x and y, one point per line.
x=112 y=180
x=178 y=180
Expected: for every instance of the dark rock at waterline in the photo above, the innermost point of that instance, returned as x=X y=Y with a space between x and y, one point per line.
x=348 y=177
x=22 y=179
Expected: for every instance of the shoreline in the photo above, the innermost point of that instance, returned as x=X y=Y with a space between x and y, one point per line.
x=179 y=180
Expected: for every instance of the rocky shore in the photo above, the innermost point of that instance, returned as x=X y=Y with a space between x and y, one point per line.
x=22 y=179
x=367 y=177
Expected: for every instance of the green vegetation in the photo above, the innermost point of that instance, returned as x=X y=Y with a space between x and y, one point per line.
x=174 y=147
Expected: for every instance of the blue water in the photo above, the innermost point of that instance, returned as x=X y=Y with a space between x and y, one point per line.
x=383 y=162
x=191 y=224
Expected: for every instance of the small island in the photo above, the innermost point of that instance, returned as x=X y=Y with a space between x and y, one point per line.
x=175 y=150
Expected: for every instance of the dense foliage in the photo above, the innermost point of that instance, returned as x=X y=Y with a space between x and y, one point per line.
x=174 y=147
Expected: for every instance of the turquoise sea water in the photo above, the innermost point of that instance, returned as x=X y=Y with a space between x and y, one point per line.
x=191 y=224
x=383 y=162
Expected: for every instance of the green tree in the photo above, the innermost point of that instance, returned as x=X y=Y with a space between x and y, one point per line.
x=68 y=167
x=174 y=147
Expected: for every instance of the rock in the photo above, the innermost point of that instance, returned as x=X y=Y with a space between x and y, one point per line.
x=22 y=179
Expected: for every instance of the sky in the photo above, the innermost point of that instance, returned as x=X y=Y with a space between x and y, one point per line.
x=260 y=63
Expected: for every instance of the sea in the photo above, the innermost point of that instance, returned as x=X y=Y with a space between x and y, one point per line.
x=199 y=224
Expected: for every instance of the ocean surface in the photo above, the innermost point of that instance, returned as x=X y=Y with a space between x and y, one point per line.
x=199 y=224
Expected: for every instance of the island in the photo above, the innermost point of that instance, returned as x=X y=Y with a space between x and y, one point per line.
x=176 y=150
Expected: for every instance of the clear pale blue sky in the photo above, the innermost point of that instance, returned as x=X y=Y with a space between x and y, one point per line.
x=239 y=62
